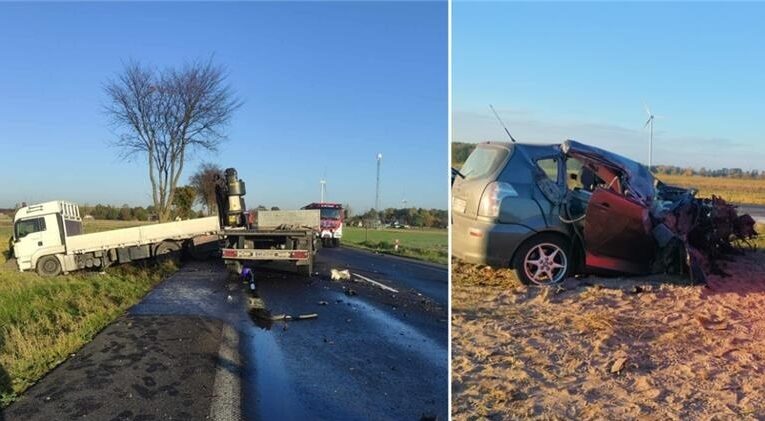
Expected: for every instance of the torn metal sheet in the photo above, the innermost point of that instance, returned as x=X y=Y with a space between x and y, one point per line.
x=634 y=223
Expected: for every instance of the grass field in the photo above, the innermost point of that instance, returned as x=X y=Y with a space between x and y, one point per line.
x=423 y=244
x=44 y=320
x=751 y=191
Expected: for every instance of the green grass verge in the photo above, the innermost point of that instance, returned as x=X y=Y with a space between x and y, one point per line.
x=44 y=320
x=431 y=245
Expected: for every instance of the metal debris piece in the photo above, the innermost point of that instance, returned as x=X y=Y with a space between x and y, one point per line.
x=340 y=275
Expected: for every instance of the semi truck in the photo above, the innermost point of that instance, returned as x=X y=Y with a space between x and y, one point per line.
x=332 y=218
x=49 y=237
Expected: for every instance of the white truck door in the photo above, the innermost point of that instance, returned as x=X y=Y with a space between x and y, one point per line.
x=34 y=236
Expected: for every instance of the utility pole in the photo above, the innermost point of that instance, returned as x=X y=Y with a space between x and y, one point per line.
x=650 y=146
x=377 y=190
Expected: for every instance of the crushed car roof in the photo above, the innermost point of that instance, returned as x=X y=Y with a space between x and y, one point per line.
x=638 y=178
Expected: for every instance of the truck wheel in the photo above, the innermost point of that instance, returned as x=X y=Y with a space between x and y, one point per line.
x=48 y=266
x=335 y=242
x=168 y=251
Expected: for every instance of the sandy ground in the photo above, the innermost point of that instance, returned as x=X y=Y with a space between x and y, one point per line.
x=616 y=348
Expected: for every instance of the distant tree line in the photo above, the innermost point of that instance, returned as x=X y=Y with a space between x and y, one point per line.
x=132 y=213
x=415 y=217
x=705 y=172
x=182 y=207
x=461 y=151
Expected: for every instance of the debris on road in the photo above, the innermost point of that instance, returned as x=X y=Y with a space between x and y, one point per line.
x=340 y=275
x=322 y=303
x=350 y=292
x=287 y=317
x=264 y=318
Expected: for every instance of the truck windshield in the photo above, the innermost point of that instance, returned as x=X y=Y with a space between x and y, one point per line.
x=330 y=213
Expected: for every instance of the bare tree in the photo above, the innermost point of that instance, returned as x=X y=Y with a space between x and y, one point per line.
x=165 y=114
x=204 y=181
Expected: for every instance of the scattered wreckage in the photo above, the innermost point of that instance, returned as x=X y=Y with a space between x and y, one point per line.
x=550 y=211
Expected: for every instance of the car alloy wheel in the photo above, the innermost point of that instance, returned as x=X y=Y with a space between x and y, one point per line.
x=545 y=264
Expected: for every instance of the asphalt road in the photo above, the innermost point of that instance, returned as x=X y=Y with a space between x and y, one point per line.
x=756 y=211
x=369 y=354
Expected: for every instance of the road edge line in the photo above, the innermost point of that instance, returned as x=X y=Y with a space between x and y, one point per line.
x=226 y=393
x=372 y=281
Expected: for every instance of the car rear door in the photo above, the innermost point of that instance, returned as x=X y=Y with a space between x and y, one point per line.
x=617 y=234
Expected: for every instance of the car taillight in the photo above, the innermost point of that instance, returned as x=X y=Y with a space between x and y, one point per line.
x=492 y=198
x=229 y=253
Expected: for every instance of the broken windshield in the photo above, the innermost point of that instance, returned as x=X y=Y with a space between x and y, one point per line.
x=330 y=213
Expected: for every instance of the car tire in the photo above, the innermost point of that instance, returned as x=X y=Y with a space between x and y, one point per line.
x=48 y=266
x=544 y=259
x=335 y=242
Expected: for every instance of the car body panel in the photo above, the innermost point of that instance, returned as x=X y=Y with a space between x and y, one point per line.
x=617 y=234
x=493 y=241
x=481 y=241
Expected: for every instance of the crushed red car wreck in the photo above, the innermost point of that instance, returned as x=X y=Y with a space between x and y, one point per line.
x=556 y=210
x=627 y=221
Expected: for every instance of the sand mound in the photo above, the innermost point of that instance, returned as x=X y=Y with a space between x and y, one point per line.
x=639 y=348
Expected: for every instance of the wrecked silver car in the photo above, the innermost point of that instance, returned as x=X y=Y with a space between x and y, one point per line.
x=550 y=211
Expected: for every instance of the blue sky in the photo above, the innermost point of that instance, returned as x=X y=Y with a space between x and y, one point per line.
x=584 y=71
x=325 y=88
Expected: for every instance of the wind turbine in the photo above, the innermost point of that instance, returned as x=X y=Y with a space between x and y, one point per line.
x=377 y=188
x=648 y=123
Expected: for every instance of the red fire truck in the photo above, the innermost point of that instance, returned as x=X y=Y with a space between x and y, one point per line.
x=332 y=216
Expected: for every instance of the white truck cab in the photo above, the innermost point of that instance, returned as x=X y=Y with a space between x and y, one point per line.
x=49 y=238
x=41 y=230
